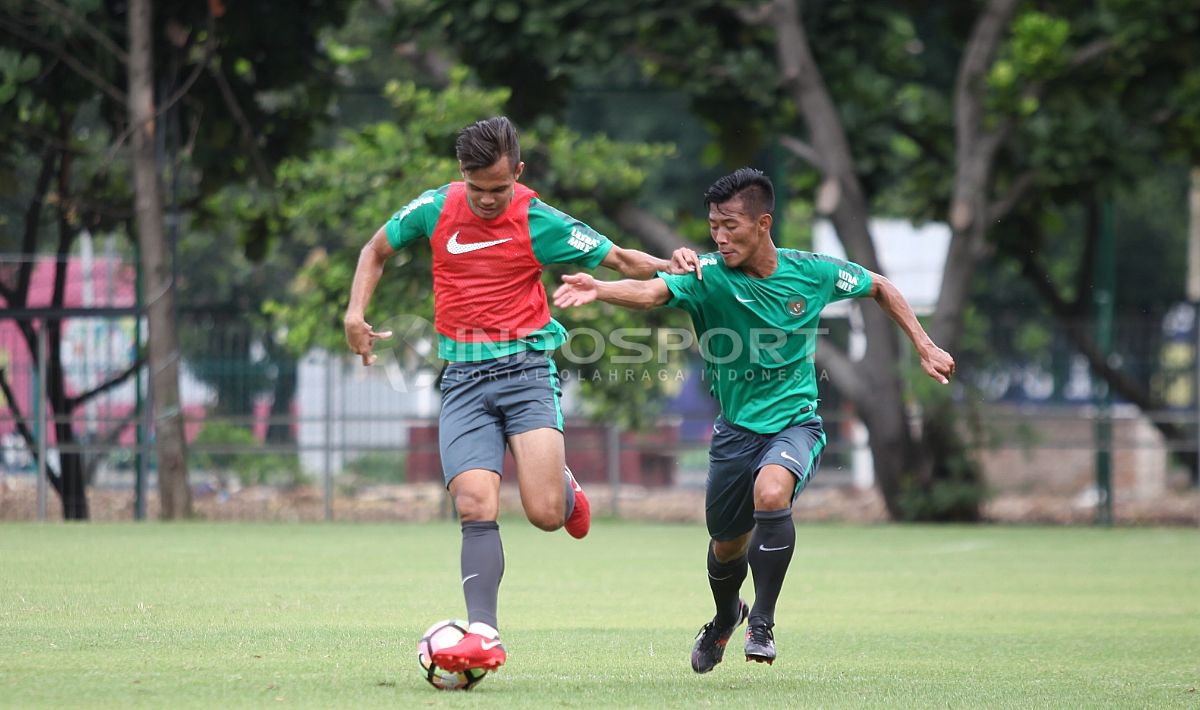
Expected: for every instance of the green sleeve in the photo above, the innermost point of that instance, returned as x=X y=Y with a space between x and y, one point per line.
x=685 y=290
x=843 y=279
x=418 y=218
x=559 y=238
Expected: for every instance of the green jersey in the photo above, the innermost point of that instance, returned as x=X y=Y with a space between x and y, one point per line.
x=758 y=337
x=489 y=299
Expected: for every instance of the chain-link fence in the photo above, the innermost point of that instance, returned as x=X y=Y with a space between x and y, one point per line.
x=274 y=436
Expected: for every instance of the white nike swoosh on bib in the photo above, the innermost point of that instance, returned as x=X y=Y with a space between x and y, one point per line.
x=454 y=247
x=743 y=300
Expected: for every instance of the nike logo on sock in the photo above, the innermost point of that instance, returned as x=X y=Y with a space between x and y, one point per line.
x=469 y=577
x=773 y=549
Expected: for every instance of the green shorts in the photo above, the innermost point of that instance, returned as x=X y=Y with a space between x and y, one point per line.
x=735 y=457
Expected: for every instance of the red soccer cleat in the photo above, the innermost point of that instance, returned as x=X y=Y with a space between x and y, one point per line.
x=581 y=518
x=473 y=651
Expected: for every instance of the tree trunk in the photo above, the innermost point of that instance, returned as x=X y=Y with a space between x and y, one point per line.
x=174 y=494
x=279 y=431
x=880 y=403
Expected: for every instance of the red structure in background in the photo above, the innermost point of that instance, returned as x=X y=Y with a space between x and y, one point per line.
x=646 y=458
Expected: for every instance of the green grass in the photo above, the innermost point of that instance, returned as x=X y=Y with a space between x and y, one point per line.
x=328 y=615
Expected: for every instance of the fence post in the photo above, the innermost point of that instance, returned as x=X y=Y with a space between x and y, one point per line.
x=327 y=474
x=612 y=459
x=39 y=420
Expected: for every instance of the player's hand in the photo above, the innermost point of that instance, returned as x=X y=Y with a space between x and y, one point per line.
x=938 y=364
x=576 y=290
x=361 y=337
x=685 y=261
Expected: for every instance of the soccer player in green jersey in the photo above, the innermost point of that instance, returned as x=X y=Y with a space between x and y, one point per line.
x=491 y=236
x=756 y=309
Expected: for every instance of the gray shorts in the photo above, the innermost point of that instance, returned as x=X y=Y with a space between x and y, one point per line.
x=485 y=402
x=734 y=460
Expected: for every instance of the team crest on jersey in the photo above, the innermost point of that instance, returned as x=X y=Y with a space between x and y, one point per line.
x=796 y=305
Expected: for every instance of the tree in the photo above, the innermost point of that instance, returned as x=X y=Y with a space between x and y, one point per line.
x=935 y=110
x=174 y=494
x=241 y=100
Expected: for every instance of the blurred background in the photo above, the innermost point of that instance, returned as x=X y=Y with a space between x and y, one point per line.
x=185 y=186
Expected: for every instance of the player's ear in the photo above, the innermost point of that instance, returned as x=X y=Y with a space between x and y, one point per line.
x=765 y=220
x=520 y=169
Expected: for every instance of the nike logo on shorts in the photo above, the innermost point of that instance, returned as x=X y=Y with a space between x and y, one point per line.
x=455 y=247
x=788 y=456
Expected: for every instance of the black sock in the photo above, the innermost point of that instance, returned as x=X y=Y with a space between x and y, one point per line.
x=725 y=579
x=569 y=493
x=771 y=548
x=482 y=564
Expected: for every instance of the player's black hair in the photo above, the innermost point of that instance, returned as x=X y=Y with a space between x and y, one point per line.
x=483 y=143
x=753 y=186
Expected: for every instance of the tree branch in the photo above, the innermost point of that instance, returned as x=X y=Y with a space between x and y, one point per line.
x=100 y=38
x=843 y=374
x=756 y=15
x=23 y=427
x=1016 y=191
x=652 y=231
x=209 y=48
x=80 y=399
x=247 y=132
x=802 y=150
x=33 y=219
x=17 y=31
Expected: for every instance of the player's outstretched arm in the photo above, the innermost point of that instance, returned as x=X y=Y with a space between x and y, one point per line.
x=936 y=362
x=581 y=289
x=360 y=336
x=635 y=264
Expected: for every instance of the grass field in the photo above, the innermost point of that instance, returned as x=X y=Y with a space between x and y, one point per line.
x=328 y=615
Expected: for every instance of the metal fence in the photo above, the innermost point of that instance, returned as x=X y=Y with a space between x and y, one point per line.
x=321 y=437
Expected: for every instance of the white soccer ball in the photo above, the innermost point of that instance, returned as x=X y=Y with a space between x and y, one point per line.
x=442 y=635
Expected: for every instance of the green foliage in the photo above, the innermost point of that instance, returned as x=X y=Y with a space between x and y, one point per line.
x=336 y=198
x=232 y=452
x=377 y=467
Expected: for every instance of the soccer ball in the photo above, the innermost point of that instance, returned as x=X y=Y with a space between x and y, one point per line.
x=441 y=635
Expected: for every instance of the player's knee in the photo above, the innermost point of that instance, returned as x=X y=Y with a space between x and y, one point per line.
x=727 y=550
x=545 y=517
x=473 y=507
x=773 y=494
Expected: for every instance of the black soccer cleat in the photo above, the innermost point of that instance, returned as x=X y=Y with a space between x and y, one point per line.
x=760 y=643
x=709 y=648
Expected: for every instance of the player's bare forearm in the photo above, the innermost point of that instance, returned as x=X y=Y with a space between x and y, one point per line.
x=366 y=277
x=360 y=336
x=580 y=289
x=936 y=362
x=630 y=293
x=634 y=264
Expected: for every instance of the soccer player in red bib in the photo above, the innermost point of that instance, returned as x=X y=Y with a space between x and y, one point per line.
x=490 y=237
